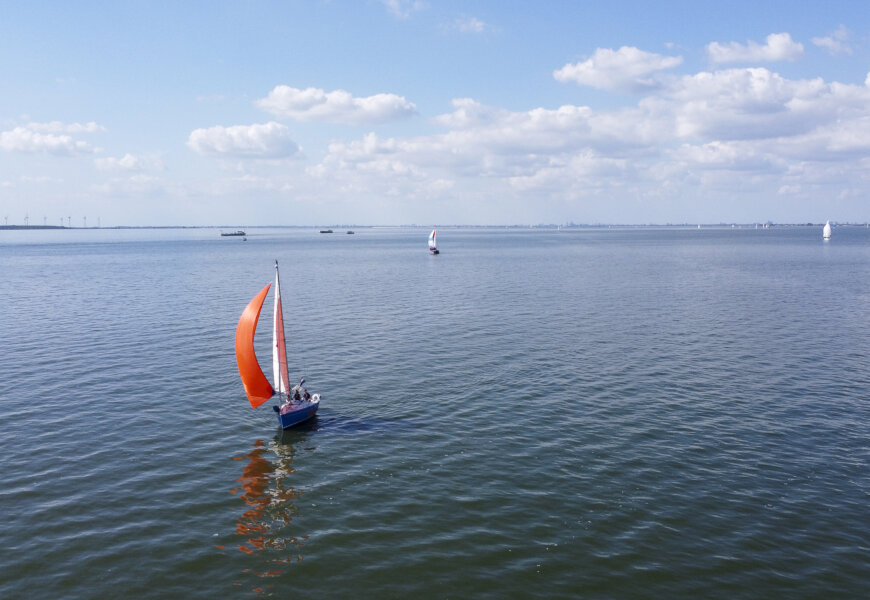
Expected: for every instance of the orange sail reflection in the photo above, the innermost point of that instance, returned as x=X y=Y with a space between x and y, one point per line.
x=263 y=487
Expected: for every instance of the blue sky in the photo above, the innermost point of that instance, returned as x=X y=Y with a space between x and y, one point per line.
x=429 y=112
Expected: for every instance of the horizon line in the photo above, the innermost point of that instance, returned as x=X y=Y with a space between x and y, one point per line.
x=454 y=226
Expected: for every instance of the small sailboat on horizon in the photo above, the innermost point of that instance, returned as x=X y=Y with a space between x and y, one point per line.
x=433 y=245
x=296 y=404
x=826 y=231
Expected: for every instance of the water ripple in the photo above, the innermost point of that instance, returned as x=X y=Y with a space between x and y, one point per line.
x=572 y=414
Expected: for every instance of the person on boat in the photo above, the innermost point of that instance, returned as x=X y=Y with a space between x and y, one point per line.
x=296 y=395
x=306 y=395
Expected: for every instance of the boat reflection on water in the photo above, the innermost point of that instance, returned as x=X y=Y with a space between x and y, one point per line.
x=266 y=523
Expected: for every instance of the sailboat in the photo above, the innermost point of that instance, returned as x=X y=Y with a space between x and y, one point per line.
x=295 y=404
x=826 y=231
x=433 y=246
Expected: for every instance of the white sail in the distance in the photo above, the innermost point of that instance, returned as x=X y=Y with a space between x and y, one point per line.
x=826 y=230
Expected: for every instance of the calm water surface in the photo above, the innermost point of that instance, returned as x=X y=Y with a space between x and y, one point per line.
x=596 y=413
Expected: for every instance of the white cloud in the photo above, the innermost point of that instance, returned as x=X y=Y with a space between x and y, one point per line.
x=851 y=136
x=403 y=8
x=339 y=106
x=261 y=140
x=731 y=156
x=494 y=143
x=778 y=46
x=754 y=104
x=627 y=69
x=469 y=24
x=128 y=162
x=468 y=114
x=132 y=186
x=579 y=175
x=59 y=127
x=745 y=129
x=48 y=138
x=837 y=42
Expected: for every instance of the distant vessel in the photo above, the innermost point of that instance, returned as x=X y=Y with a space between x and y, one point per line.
x=433 y=246
x=297 y=405
x=826 y=231
x=237 y=232
x=326 y=231
x=350 y=232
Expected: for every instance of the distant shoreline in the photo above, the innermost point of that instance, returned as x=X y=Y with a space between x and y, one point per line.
x=33 y=227
x=767 y=225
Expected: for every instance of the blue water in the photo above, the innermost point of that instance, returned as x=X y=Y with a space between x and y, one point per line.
x=636 y=413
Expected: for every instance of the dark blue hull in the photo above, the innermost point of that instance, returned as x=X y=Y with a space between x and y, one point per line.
x=296 y=415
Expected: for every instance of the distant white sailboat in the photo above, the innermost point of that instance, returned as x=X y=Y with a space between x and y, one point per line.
x=826 y=231
x=433 y=245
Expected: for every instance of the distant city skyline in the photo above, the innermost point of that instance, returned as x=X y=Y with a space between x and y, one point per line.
x=395 y=112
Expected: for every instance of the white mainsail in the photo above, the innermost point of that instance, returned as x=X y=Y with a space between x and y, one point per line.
x=826 y=231
x=432 y=244
x=279 y=347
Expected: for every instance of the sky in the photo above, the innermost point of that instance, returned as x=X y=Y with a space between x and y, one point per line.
x=395 y=112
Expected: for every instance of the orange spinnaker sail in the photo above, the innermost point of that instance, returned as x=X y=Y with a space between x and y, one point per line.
x=257 y=387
